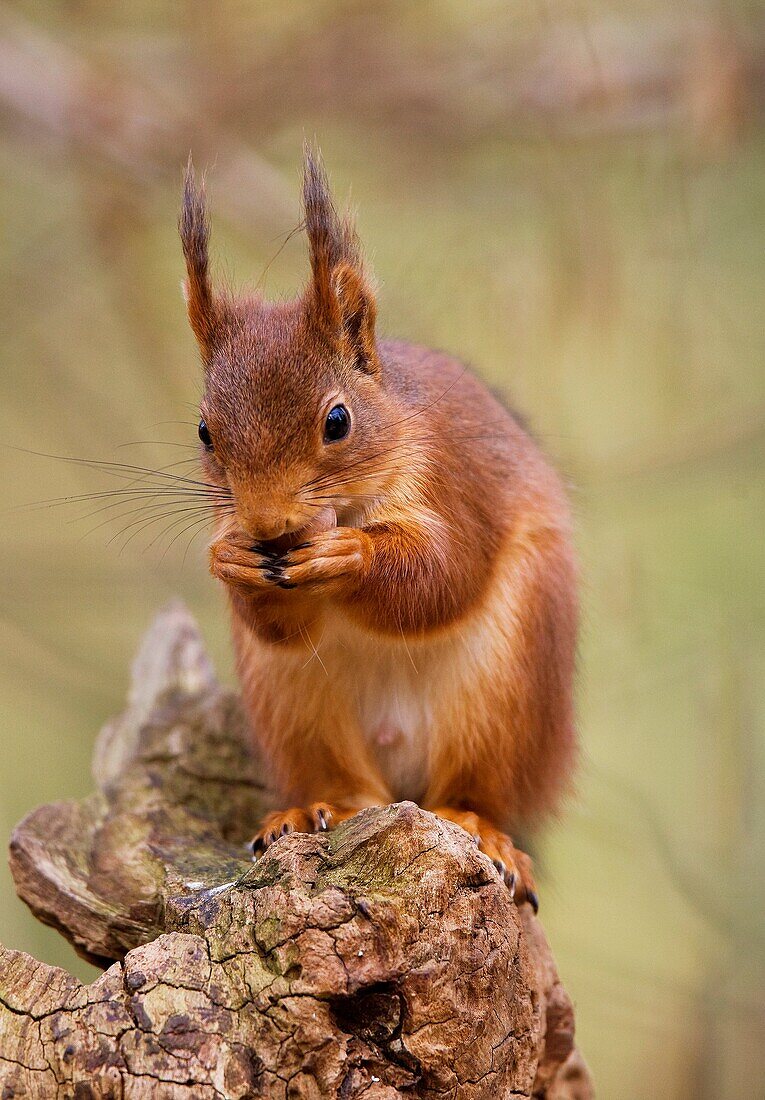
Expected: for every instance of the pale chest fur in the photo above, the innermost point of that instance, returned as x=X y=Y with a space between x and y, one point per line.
x=391 y=689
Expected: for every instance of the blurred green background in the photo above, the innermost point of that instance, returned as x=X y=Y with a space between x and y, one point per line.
x=569 y=196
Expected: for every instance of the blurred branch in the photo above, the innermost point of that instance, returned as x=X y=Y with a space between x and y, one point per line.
x=49 y=89
x=441 y=80
x=140 y=117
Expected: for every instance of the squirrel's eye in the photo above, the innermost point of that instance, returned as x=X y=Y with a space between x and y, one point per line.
x=204 y=435
x=337 y=425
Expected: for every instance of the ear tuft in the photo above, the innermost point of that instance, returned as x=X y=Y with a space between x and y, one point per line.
x=331 y=239
x=194 y=229
x=340 y=296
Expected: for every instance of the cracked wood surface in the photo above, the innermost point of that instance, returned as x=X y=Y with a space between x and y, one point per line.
x=382 y=959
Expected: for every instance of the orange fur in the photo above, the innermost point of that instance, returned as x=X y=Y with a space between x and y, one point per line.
x=403 y=600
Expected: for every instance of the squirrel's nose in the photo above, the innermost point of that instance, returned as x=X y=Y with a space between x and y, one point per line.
x=266 y=528
x=263 y=530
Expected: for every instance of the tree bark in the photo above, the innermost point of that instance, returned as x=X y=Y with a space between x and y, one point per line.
x=384 y=958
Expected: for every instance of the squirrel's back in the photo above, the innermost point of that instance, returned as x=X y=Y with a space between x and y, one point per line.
x=480 y=450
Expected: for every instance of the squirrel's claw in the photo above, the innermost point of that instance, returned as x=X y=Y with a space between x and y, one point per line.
x=317 y=818
x=512 y=865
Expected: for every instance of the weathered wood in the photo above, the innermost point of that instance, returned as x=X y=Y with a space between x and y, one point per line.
x=382 y=959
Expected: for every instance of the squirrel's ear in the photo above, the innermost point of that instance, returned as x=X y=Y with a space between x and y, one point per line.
x=339 y=296
x=194 y=228
x=357 y=311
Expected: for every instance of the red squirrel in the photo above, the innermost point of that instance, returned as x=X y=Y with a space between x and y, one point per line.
x=396 y=552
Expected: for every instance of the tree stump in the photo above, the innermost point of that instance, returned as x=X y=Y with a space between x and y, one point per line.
x=382 y=959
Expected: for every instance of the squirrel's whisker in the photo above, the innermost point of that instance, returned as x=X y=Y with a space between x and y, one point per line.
x=405 y=448
x=142 y=524
x=175 y=522
x=170 y=507
x=158 y=443
x=145 y=520
x=118 y=469
x=137 y=492
x=180 y=534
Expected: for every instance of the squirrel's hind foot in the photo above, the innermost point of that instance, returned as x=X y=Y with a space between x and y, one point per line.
x=316 y=818
x=513 y=865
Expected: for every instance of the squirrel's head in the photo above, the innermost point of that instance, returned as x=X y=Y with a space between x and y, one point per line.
x=294 y=414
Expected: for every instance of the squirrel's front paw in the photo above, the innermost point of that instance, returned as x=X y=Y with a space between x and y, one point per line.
x=331 y=560
x=234 y=560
